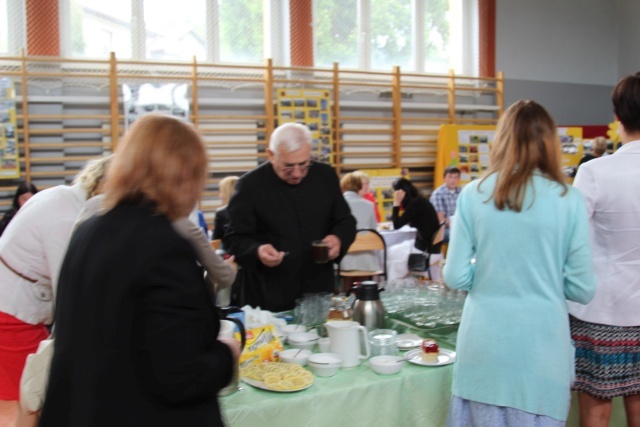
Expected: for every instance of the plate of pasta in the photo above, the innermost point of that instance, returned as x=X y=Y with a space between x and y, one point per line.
x=277 y=376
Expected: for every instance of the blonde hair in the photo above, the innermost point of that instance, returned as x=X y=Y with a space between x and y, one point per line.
x=227 y=184
x=599 y=145
x=92 y=174
x=363 y=176
x=526 y=140
x=351 y=182
x=161 y=162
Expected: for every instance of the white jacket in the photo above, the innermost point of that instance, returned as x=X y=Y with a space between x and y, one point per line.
x=34 y=244
x=611 y=188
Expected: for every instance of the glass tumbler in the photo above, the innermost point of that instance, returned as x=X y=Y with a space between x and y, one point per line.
x=383 y=342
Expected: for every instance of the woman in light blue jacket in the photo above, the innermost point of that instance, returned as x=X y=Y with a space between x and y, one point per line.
x=520 y=247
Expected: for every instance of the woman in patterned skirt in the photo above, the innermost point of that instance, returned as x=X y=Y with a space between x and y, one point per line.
x=607 y=330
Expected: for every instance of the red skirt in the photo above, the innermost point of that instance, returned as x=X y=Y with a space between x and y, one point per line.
x=17 y=340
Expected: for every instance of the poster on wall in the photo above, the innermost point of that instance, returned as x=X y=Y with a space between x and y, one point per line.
x=473 y=153
x=309 y=107
x=9 y=164
x=572 y=150
x=466 y=147
x=147 y=98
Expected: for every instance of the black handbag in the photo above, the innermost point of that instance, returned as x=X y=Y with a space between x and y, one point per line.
x=417 y=262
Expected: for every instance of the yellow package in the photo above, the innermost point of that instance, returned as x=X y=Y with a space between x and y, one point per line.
x=262 y=345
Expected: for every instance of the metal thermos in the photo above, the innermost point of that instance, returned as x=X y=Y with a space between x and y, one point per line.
x=367 y=307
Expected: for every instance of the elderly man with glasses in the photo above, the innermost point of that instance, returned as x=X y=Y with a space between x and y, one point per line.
x=276 y=212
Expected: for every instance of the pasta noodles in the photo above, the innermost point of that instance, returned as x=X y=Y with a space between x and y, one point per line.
x=279 y=376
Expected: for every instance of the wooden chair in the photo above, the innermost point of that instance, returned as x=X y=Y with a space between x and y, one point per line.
x=436 y=239
x=215 y=244
x=367 y=239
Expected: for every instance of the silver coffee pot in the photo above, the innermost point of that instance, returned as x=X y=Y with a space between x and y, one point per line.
x=367 y=307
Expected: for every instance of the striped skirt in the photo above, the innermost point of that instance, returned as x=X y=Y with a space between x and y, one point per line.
x=607 y=359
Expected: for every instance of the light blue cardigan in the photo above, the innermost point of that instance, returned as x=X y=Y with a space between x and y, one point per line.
x=514 y=346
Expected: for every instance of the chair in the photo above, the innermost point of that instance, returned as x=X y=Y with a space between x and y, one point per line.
x=215 y=244
x=367 y=239
x=438 y=237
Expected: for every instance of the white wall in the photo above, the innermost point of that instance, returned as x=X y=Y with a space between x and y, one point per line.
x=567 y=54
x=572 y=41
x=628 y=30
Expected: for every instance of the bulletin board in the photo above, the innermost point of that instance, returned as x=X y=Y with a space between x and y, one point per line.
x=467 y=147
x=380 y=181
x=572 y=150
x=309 y=107
x=9 y=165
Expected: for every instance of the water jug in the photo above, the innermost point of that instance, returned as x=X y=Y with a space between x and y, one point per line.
x=227 y=329
x=367 y=307
x=345 y=339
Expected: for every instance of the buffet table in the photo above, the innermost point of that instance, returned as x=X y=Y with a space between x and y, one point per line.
x=417 y=395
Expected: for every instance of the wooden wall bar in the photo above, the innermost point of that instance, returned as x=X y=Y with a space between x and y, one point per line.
x=380 y=119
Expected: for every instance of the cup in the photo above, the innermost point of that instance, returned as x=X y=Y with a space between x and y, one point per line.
x=227 y=328
x=324 y=344
x=320 y=252
x=383 y=342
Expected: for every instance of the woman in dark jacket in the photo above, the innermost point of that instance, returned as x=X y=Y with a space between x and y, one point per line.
x=418 y=213
x=23 y=193
x=136 y=333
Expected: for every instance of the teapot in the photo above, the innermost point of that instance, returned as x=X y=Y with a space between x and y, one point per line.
x=367 y=307
x=345 y=341
x=228 y=325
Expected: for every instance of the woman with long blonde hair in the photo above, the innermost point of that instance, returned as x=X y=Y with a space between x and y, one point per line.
x=520 y=248
x=136 y=331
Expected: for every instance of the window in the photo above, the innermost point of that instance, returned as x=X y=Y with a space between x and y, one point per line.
x=11 y=27
x=425 y=36
x=335 y=28
x=4 y=27
x=390 y=37
x=241 y=25
x=98 y=28
x=376 y=35
x=175 y=30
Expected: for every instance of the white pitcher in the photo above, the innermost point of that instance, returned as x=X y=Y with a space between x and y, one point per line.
x=345 y=341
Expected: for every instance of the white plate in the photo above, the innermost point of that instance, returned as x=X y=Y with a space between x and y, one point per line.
x=261 y=385
x=444 y=358
x=407 y=341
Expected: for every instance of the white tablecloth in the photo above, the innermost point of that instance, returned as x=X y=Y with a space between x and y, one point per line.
x=400 y=243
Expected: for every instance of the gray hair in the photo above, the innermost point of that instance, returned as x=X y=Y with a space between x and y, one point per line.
x=292 y=135
x=90 y=176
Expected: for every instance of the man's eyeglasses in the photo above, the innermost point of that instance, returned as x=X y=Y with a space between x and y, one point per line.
x=304 y=166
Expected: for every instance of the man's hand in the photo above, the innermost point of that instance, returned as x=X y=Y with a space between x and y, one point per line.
x=334 y=245
x=269 y=256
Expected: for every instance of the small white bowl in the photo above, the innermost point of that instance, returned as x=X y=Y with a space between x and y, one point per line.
x=294 y=355
x=325 y=364
x=293 y=329
x=386 y=365
x=305 y=340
